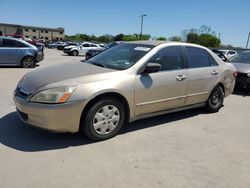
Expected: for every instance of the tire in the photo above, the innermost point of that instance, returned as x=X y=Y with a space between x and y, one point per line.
x=74 y=53
x=28 y=62
x=215 y=100
x=104 y=119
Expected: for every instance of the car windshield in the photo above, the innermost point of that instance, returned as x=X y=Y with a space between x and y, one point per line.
x=243 y=57
x=121 y=57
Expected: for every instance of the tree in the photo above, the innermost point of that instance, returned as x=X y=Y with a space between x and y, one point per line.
x=193 y=38
x=118 y=37
x=175 y=38
x=209 y=40
x=161 y=38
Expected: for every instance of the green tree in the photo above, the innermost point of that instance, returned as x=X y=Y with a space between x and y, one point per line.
x=209 y=40
x=175 y=38
x=161 y=38
x=193 y=38
x=118 y=37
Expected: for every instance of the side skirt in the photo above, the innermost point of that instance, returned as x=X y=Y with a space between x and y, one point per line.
x=167 y=111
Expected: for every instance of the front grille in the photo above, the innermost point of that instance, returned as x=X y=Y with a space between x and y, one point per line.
x=24 y=116
x=21 y=93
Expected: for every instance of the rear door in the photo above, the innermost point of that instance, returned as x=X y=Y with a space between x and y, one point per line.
x=203 y=74
x=11 y=51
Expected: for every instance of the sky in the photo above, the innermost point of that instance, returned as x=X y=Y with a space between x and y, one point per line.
x=166 y=18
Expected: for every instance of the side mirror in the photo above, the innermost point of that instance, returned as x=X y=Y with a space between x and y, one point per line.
x=152 y=67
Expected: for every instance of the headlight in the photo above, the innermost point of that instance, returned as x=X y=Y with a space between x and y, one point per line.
x=248 y=74
x=55 y=95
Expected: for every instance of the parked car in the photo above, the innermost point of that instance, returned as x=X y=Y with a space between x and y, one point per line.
x=93 y=52
x=54 y=44
x=63 y=45
x=220 y=54
x=228 y=53
x=127 y=82
x=242 y=63
x=81 y=49
x=16 y=52
x=31 y=41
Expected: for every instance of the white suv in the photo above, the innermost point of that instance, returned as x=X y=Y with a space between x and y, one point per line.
x=81 y=49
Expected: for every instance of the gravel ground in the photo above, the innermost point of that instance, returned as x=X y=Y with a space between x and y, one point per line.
x=184 y=149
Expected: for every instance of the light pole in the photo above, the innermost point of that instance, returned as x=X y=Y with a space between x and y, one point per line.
x=248 y=40
x=142 y=16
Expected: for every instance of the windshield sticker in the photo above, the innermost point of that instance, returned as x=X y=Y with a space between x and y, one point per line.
x=142 y=49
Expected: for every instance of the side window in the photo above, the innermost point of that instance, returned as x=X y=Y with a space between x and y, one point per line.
x=197 y=57
x=13 y=44
x=20 y=44
x=93 y=45
x=9 y=43
x=212 y=61
x=170 y=58
x=85 y=45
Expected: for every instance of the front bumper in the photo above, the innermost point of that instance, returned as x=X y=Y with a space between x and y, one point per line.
x=67 y=51
x=39 y=57
x=53 y=117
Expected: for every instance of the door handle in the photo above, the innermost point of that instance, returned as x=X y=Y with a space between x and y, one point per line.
x=214 y=72
x=180 y=77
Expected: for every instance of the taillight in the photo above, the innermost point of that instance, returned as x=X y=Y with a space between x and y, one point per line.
x=235 y=74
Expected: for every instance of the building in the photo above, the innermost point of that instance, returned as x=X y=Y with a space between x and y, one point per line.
x=33 y=32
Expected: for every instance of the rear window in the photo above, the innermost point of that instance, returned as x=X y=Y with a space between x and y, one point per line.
x=198 y=58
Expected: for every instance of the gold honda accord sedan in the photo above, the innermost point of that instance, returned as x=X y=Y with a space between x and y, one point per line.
x=127 y=82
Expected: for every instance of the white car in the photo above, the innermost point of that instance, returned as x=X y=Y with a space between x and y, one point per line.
x=81 y=49
x=228 y=53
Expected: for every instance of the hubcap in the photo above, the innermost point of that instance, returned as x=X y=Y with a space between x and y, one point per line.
x=215 y=98
x=28 y=62
x=106 y=119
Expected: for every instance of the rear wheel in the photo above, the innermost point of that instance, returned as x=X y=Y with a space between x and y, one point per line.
x=215 y=100
x=28 y=62
x=104 y=119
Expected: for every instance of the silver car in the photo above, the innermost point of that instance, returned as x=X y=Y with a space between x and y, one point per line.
x=16 y=52
x=122 y=84
x=242 y=63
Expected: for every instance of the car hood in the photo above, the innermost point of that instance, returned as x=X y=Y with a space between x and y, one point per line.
x=242 y=67
x=44 y=76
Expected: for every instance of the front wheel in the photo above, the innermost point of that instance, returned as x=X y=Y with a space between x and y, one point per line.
x=28 y=62
x=104 y=119
x=75 y=53
x=215 y=100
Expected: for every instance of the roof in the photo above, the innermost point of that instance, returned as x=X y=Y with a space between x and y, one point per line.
x=32 y=27
x=150 y=42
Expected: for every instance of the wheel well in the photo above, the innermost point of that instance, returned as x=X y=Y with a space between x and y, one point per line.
x=25 y=58
x=222 y=86
x=107 y=95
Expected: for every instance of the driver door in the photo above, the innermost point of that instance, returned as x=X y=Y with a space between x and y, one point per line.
x=165 y=89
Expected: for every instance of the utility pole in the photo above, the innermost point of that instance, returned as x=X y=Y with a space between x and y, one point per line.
x=248 y=40
x=219 y=35
x=142 y=16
